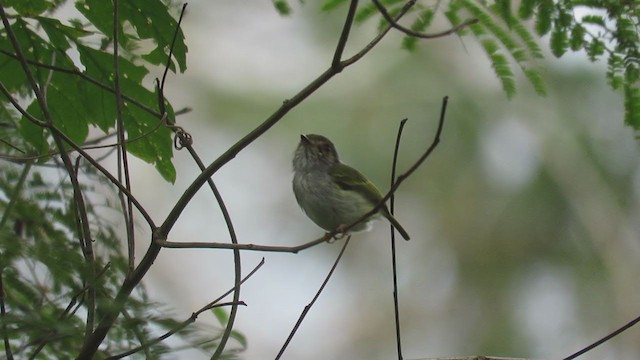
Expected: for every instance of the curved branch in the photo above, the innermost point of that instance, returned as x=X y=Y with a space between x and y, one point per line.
x=286 y=106
x=394 y=24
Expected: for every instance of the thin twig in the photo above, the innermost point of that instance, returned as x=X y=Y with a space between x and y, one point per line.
x=344 y=36
x=411 y=170
x=191 y=319
x=123 y=159
x=308 y=307
x=396 y=308
x=417 y=34
x=377 y=39
x=247 y=247
x=173 y=43
x=86 y=245
x=625 y=327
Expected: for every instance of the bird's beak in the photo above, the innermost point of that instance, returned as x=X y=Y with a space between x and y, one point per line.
x=304 y=140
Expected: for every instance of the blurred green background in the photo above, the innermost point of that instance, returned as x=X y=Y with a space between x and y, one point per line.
x=524 y=222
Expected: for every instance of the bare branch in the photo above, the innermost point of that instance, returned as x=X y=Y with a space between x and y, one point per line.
x=308 y=307
x=123 y=157
x=344 y=36
x=416 y=34
x=396 y=307
x=247 y=247
x=618 y=331
x=404 y=176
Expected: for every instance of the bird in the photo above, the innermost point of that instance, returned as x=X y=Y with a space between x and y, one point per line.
x=332 y=194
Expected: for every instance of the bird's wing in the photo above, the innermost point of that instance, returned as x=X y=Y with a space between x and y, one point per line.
x=348 y=178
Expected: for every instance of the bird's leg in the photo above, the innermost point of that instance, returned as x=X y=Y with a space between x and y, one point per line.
x=341 y=232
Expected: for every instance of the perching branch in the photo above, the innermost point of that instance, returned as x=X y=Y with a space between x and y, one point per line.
x=247 y=247
x=286 y=106
x=328 y=236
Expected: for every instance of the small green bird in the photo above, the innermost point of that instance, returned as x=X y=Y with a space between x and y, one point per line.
x=333 y=194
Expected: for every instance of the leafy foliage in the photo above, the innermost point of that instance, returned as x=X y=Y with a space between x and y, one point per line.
x=608 y=29
x=77 y=104
x=46 y=299
x=59 y=269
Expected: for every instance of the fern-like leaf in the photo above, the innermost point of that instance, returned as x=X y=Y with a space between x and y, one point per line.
x=577 y=41
x=502 y=69
x=595 y=49
x=331 y=4
x=528 y=39
x=632 y=106
x=503 y=9
x=282 y=7
x=485 y=19
x=559 y=42
x=615 y=68
x=421 y=24
x=536 y=80
x=545 y=16
x=525 y=11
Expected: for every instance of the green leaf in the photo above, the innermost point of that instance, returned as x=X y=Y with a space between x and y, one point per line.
x=536 y=81
x=147 y=20
x=28 y=7
x=615 y=67
x=503 y=8
x=502 y=69
x=632 y=105
x=152 y=21
x=577 y=37
x=148 y=138
x=33 y=133
x=559 y=42
x=420 y=25
x=329 y=5
x=504 y=36
x=543 y=20
x=525 y=11
x=595 y=49
x=58 y=33
x=593 y=19
x=527 y=38
x=221 y=315
x=67 y=111
x=282 y=6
